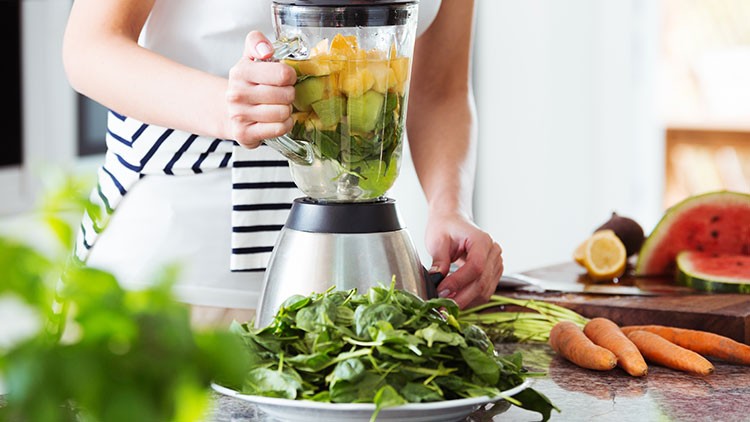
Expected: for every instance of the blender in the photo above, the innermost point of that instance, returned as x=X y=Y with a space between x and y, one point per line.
x=353 y=62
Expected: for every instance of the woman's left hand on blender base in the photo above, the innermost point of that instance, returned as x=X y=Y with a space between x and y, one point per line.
x=454 y=238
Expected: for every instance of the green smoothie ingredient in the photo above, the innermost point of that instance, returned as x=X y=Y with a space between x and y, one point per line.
x=384 y=346
x=350 y=105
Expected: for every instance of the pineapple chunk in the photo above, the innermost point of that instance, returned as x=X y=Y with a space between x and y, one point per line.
x=385 y=77
x=400 y=66
x=356 y=82
x=300 y=116
x=314 y=67
x=320 y=48
x=376 y=55
x=341 y=45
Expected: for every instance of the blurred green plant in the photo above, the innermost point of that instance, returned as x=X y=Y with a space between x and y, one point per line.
x=94 y=351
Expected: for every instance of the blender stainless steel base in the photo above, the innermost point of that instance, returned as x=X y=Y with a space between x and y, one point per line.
x=344 y=246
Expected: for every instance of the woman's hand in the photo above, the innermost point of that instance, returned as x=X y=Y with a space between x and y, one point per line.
x=454 y=238
x=259 y=94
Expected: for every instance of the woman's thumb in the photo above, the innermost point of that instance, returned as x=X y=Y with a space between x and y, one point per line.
x=257 y=46
x=441 y=256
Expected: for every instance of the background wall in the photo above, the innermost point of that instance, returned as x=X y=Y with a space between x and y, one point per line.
x=567 y=125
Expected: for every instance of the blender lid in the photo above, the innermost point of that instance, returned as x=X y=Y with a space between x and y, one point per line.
x=341 y=13
x=342 y=2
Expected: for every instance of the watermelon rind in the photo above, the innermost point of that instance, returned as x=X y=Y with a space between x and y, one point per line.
x=658 y=253
x=688 y=275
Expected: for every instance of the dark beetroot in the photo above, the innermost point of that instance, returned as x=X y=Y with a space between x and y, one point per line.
x=628 y=230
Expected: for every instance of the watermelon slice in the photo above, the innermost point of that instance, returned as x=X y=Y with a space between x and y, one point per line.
x=714 y=273
x=715 y=222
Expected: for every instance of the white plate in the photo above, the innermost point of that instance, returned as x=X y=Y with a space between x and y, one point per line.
x=306 y=411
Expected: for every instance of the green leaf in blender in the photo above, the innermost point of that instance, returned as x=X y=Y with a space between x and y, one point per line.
x=326 y=142
x=377 y=176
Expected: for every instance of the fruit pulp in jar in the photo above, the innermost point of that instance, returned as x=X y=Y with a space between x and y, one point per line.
x=350 y=106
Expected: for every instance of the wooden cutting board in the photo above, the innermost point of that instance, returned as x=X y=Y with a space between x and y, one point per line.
x=725 y=314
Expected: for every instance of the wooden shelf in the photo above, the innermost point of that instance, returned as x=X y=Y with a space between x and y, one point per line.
x=703 y=156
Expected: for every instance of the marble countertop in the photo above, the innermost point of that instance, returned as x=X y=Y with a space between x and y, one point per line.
x=584 y=395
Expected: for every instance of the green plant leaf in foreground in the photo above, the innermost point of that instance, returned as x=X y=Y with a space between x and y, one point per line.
x=104 y=353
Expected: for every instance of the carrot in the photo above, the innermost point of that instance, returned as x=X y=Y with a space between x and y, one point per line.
x=569 y=341
x=659 y=350
x=603 y=332
x=702 y=342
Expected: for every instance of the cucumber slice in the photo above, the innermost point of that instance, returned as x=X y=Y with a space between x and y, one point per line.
x=364 y=112
x=330 y=110
x=309 y=91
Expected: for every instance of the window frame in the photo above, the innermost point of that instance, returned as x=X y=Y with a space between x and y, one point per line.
x=50 y=110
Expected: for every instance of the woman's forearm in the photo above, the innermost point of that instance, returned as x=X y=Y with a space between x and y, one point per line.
x=104 y=62
x=442 y=116
x=442 y=137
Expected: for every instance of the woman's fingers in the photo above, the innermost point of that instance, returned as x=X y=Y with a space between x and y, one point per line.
x=260 y=113
x=266 y=73
x=476 y=280
x=244 y=94
x=477 y=247
x=487 y=284
x=250 y=135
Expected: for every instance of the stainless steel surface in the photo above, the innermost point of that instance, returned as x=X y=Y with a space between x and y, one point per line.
x=305 y=263
x=344 y=13
x=524 y=282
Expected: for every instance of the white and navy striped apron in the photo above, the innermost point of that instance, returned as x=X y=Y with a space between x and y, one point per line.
x=262 y=189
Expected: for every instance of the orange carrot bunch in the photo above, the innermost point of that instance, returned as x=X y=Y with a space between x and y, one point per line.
x=632 y=346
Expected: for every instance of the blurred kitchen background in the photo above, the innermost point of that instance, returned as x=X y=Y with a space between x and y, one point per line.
x=585 y=107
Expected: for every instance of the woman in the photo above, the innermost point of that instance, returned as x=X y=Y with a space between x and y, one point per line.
x=181 y=84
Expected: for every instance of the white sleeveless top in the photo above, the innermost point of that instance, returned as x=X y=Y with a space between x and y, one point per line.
x=172 y=191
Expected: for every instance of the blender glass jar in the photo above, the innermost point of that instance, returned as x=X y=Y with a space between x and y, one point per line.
x=353 y=62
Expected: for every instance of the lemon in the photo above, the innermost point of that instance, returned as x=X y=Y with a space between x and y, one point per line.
x=604 y=255
x=578 y=253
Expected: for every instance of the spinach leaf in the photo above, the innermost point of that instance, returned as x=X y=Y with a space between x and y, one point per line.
x=367 y=316
x=319 y=314
x=434 y=332
x=483 y=365
x=350 y=370
x=418 y=393
x=387 y=396
x=362 y=391
x=310 y=363
x=476 y=337
x=272 y=383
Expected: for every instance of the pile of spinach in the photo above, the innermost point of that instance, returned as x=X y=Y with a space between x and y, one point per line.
x=386 y=346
